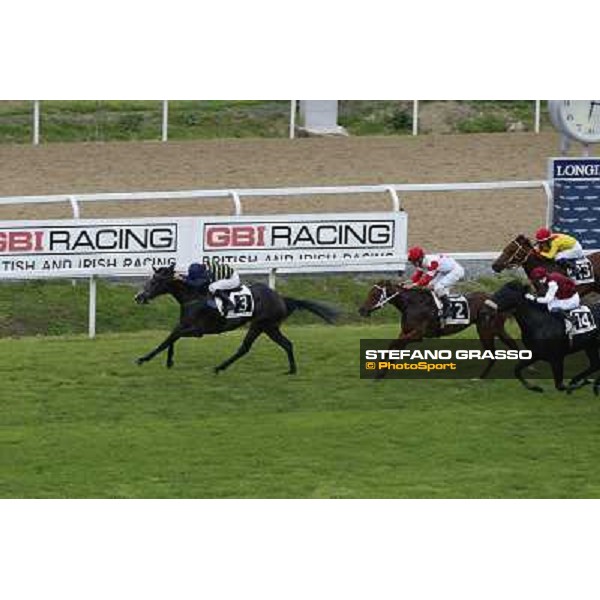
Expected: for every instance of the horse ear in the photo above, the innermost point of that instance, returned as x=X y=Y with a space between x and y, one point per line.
x=171 y=268
x=155 y=269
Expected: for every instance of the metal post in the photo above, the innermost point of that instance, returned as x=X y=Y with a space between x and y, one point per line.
x=165 y=120
x=549 y=203
x=272 y=280
x=538 y=104
x=92 y=309
x=395 y=199
x=36 y=122
x=293 y=119
x=415 y=119
x=237 y=203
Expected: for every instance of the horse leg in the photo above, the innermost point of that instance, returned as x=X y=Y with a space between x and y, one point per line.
x=170 y=356
x=580 y=379
x=250 y=338
x=275 y=334
x=558 y=367
x=523 y=364
x=486 y=337
x=168 y=342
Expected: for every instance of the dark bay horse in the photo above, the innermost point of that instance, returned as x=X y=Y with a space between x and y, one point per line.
x=544 y=334
x=520 y=252
x=420 y=317
x=197 y=319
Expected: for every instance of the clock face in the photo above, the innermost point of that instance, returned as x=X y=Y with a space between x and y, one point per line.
x=580 y=119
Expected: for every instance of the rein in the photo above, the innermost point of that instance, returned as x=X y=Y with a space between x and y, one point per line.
x=383 y=298
x=522 y=261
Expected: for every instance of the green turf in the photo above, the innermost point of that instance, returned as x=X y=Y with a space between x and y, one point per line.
x=79 y=419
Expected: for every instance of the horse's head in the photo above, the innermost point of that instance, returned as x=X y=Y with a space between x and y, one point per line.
x=379 y=295
x=514 y=255
x=506 y=299
x=157 y=285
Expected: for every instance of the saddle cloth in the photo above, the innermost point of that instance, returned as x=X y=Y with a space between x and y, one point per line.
x=459 y=313
x=242 y=300
x=579 y=320
x=581 y=271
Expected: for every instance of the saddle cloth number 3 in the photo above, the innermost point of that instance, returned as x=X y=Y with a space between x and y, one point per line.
x=243 y=303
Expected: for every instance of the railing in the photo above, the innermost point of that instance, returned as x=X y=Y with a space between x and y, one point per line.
x=292 y=127
x=235 y=196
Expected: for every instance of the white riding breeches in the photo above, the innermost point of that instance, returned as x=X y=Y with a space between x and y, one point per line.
x=566 y=303
x=225 y=284
x=575 y=252
x=442 y=282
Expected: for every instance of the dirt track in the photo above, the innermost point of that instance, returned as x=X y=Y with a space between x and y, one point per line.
x=440 y=221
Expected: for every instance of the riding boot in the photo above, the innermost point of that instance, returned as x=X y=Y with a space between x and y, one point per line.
x=227 y=303
x=567 y=264
x=564 y=317
x=445 y=307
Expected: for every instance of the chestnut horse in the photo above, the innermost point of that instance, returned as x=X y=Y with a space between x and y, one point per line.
x=520 y=252
x=420 y=317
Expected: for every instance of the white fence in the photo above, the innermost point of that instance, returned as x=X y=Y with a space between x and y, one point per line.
x=292 y=128
x=236 y=196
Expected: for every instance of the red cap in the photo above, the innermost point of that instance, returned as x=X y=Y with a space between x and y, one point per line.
x=538 y=273
x=415 y=253
x=543 y=234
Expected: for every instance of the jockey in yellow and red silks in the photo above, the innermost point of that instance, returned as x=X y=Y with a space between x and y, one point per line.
x=559 y=247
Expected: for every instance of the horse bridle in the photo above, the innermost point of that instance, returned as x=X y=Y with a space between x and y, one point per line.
x=383 y=298
x=520 y=247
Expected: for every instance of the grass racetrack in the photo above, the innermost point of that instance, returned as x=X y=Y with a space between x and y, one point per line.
x=80 y=419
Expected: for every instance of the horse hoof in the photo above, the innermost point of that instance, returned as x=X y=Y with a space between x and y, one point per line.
x=536 y=388
x=596 y=389
x=575 y=385
x=291 y=372
x=216 y=370
x=169 y=365
x=139 y=361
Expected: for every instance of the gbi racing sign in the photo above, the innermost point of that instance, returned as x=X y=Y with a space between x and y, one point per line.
x=86 y=246
x=80 y=248
x=294 y=239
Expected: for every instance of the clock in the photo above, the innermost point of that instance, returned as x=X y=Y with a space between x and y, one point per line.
x=577 y=119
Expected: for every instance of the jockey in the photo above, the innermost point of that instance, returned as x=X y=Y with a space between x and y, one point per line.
x=561 y=294
x=219 y=278
x=558 y=246
x=438 y=272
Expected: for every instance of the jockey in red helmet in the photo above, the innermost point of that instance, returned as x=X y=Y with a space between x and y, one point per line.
x=557 y=246
x=561 y=294
x=437 y=272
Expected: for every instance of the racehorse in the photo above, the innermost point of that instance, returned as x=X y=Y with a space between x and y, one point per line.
x=197 y=319
x=520 y=252
x=544 y=334
x=420 y=317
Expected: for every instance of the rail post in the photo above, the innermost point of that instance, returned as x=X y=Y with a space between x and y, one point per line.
x=237 y=203
x=538 y=105
x=293 y=119
x=415 y=119
x=36 y=122
x=165 y=120
x=272 y=279
x=92 y=309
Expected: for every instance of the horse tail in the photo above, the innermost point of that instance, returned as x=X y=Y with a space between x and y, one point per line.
x=326 y=312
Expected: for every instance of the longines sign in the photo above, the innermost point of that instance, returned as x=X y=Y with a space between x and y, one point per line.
x=133 y=246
